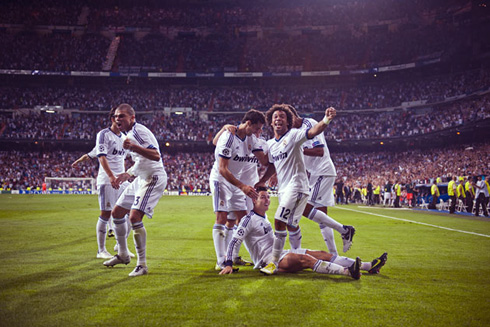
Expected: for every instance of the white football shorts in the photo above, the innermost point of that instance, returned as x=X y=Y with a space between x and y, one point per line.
x=108 y=195
x=227 y=197
x=291 y=207
x=321 y=191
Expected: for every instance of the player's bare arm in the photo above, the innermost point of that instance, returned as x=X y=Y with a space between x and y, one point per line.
x=271 y=170
x=151 y=154
x=226 y=173
x=313 y=152
x=105 y=165
x=228 y=127
x=83 y=158
x=330 y=114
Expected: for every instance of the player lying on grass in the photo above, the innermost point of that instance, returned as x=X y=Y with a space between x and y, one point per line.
x=256 y=230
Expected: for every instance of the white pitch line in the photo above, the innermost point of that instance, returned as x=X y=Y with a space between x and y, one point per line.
x=414 y=222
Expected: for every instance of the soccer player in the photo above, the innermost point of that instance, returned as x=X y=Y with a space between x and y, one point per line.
x=322 y=179
x=287 y=159
x=232 y=154
x=256 y=231
x=110 y=153
x=148 y=167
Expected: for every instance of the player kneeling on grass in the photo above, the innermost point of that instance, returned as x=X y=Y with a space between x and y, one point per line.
x=256 y=230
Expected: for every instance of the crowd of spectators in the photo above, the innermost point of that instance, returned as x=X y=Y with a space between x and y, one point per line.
x=307 y=98
x=422 y=30
x=189 y=171
x=193 y=127
x=219 y=13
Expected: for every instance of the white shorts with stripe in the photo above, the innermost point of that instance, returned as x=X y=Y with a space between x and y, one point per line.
x=227 y=197
x=146 y=195
x=291 y=207
x=127 y=197
x=321 y=191
x=108 y=195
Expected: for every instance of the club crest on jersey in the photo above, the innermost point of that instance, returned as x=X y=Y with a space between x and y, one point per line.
x=249 y=147
x=284 y=142
x=222 y=203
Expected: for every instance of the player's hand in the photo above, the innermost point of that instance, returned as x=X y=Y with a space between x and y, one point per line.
x=230 y=128
x=273 y=181
x=250 y=192
x=114 y=182
x=330 y=112
x=127 y=144
x=121 y=178
x=227 y=270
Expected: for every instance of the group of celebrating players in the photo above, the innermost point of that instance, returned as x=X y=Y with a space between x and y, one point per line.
x=240 y=196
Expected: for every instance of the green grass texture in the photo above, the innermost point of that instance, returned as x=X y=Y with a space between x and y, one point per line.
x=437 y=274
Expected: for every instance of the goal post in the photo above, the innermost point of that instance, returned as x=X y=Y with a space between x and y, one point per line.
x=70 y=185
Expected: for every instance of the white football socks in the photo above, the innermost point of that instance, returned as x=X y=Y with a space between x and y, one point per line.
x=278 y=247
x=324 y=267
x=329 y=239
x=295 y=239
x=139 y=236
x=219 y=243
x=101 y=230
x=322 y=218
x=121 y=230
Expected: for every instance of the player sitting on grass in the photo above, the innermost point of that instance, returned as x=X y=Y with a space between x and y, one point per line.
x=256 y=230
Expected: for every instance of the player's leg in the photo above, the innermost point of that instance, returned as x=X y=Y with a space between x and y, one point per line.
x=220 y=192
x=289 y=211
x=294 y=237
x=146 y=199
x=107 y=198
x=101 y=230
x=293 y=262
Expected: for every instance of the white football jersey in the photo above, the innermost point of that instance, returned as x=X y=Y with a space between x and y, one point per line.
x=144 y=167
x=238 y=151
x=93 y=153
x=287 y=156
x=109 y=144
x=256 y=231
x=318 y=166
x=250 y=171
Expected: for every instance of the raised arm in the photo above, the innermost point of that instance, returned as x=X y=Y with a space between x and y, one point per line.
x=330 y=113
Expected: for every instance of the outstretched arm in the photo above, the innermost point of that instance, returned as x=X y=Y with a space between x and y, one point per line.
x=330 y=114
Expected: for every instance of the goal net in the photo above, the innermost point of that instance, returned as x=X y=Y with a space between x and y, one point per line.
x=70 y=185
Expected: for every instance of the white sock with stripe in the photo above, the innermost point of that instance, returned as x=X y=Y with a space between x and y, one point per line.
x=324 y=267
x=342 y=261
x=139 y=237
x=322 y=218
x=121 y=230
x=278 y=247
x=295 y=239
x=329 y=239
x=101 y=230
x=219 y=243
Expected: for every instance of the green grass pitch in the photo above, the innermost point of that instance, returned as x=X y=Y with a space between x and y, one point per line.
x=50 y=276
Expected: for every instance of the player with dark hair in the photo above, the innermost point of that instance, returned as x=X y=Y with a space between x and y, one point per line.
x=234 y=151
x=286 y=158
x=152 y=180
x=256 y=231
